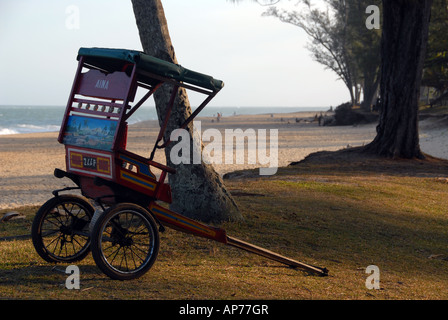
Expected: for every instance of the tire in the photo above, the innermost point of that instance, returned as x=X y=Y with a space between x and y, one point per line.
x=125 y=241
x=60 y=230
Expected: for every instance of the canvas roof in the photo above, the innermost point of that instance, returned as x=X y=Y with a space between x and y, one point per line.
x=112 y=60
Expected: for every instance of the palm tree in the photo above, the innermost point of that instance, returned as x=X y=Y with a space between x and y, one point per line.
x=198 y=190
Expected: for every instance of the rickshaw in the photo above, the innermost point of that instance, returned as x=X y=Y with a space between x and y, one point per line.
x=121 y=210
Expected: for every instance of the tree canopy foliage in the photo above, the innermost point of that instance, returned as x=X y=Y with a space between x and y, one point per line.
x=341 y=42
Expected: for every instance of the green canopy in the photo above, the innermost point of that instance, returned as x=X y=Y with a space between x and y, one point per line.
x=115 y=59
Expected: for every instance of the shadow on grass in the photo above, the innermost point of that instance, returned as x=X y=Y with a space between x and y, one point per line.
x=340 y=221
x=354 y=161
x=50 y=274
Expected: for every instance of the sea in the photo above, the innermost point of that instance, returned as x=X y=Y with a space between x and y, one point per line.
x=31 y=119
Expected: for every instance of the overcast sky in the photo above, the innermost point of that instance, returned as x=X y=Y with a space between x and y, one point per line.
x=262 y=61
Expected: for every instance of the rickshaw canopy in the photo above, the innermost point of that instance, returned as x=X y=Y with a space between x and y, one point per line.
x=111 y=60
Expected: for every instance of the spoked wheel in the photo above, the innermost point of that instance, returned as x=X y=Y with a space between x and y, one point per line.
x=60 y=229
x=125 y=241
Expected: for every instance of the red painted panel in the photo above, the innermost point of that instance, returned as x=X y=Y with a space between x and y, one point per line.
x=100 y=85
x=90 y=163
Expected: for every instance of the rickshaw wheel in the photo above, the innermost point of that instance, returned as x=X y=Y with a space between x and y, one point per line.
x=60 y=230
x=125 y=241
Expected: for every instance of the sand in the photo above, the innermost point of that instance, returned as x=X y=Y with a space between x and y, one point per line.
x=27 y=161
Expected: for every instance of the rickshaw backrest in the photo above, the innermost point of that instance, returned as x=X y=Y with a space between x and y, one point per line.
x=97 y=103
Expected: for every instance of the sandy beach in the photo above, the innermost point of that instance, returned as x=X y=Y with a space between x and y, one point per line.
x=27 y=161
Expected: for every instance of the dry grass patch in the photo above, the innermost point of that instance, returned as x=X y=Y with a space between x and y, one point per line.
x=331 y=216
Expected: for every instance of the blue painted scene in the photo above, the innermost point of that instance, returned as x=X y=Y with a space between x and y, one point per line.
x=90 y=132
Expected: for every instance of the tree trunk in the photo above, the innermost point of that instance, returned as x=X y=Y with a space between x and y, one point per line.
x=370 y=88
x=403 y=47
x=198 y=191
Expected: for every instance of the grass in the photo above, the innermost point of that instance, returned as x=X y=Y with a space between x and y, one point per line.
x=435 y=110
x=339 y=217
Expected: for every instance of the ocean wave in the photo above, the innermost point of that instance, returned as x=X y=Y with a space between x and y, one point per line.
x=28 y=128
x=36 y=128
x=6 y=131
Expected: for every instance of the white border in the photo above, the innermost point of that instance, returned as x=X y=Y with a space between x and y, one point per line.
x=69 y=150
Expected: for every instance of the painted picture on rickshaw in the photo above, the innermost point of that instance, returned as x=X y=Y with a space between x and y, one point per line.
x=90 y=133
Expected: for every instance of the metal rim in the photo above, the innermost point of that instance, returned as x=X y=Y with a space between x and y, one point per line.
x=127 y=241
x=64 y=232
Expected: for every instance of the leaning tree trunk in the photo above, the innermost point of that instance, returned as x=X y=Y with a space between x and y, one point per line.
x=198 y=191
x=403 y=47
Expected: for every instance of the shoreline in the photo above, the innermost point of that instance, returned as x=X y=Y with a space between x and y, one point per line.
x=31 y=120
x=27 y=160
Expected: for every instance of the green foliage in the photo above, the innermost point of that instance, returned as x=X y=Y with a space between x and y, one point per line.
x=436 y=66
x=345 y=114
x=341 y=42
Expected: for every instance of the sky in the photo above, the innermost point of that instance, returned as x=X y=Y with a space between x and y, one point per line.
x=262 y=61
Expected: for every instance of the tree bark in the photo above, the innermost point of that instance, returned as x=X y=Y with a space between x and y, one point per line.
x=370 y=88
x=198 y=191
x=403 y=48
